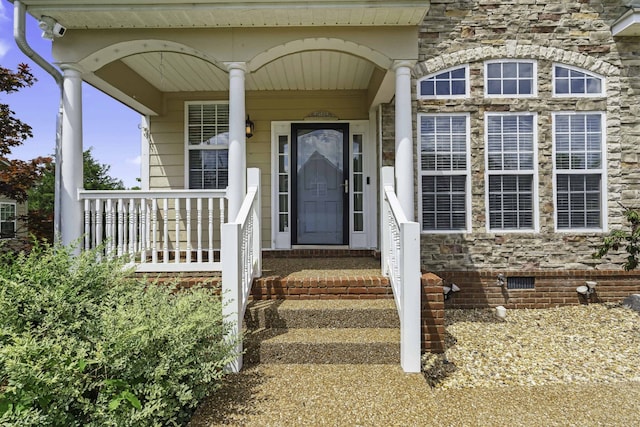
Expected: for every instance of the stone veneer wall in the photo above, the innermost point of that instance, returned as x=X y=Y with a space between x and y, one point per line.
x=576 y=33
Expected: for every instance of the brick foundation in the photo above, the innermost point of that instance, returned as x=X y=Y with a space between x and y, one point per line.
x=432 y=314
x=478 y=289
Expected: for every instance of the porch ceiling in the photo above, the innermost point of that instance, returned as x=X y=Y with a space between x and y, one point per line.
x=315 y=70
x=78 y=14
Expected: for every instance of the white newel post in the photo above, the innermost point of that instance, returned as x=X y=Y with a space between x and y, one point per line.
x=237 y=138
x=70 y=161
x=404 y=138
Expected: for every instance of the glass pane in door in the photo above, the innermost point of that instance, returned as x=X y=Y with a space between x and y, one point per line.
x=320 y=188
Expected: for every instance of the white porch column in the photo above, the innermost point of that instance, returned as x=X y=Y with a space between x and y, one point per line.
x=70 y=157
x=237 y=138
x=404 y=138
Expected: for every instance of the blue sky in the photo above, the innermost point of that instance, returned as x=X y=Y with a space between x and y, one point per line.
x=109 y=127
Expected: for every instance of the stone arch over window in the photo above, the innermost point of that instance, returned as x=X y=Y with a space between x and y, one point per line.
x=516 y=51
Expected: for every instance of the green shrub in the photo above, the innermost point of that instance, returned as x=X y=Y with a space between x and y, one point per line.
x=82 y=344
x=629 y=239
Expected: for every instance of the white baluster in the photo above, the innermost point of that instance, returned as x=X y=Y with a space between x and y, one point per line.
x=109 y=221
x=210 y=228
x=97 y=236
x=143 y=231
x=154 y=219
x=221 y=209
x=165 y=243
x=132 y=228
x=87 y=224
x=121 y=225
x=188 y=221
x=199 y=225
x=177 y=243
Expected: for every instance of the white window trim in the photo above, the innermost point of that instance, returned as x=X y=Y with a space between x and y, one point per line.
x=467 y=84
x=534 y=172
x=467 y=173
x=360 y=130
x=602 y=171
x=15 y=219
x=280 y=239
x=578 y=95
x=188 y=147
x=534 y=78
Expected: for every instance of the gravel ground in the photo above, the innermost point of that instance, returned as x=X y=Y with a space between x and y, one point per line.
x=598 y=343
x=571 y=366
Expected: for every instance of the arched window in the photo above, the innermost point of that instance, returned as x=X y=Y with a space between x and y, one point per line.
x=451 y=83
x=571 y=81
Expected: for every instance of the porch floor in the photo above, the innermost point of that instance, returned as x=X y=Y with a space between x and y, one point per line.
x=311 y=267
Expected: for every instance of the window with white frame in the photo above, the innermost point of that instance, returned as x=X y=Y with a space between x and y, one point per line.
x=357 y=167
x=444 y=172
x=7 y=220
x=510 y=78
x=283 y=183
x=207 y=135
x=452 y=83
x=511 y=177
x=570 y=81
x=579 y=169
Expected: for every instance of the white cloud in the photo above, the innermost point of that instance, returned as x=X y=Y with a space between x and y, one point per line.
x=4 y=16
x=4 y=48
x=134 y=160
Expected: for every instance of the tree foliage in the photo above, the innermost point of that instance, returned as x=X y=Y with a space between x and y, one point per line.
x=628 y=238
x=96 y=177
x=13 y=131
x=41 y=196
x=16 y=176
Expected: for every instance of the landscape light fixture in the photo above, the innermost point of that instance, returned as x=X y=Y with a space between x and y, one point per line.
x=588 y=288
x=448 y=290
x=249 y=127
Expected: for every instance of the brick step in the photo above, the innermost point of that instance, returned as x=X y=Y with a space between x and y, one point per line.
x=330 y=346
x=357 y=287
x=288 y=314
x=320 y=273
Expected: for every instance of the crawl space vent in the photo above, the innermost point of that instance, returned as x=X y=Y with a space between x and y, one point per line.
x=521 y=282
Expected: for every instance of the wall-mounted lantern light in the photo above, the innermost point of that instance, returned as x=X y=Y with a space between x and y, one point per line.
x=249 y=127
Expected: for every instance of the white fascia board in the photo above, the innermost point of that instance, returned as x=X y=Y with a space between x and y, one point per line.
x=627 y=25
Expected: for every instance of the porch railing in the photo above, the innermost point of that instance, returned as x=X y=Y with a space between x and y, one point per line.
x=242 y=260
x=160 y=231
x=401 y=263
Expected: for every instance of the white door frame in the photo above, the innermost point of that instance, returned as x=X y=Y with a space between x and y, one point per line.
x=365 y=239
